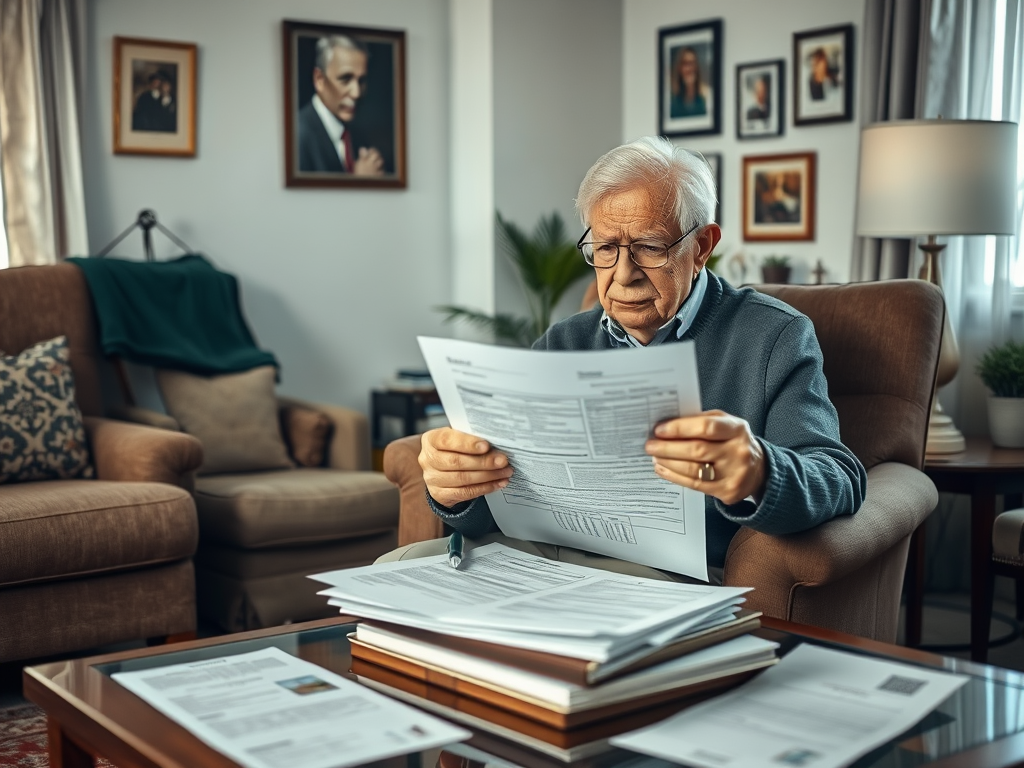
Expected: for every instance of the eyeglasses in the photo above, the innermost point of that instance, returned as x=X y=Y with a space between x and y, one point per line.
x=647 y=254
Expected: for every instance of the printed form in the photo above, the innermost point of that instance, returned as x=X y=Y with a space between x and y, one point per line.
x=818 y=708
x=573 y=425
x=268 y=709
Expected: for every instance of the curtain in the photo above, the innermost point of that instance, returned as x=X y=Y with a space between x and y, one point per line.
x=42 y=62
x=894 y=55
x=974 y=71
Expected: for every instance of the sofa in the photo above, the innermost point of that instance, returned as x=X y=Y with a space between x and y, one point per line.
x=87 y=562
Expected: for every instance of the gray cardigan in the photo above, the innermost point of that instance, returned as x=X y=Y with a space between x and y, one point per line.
x=757 y=358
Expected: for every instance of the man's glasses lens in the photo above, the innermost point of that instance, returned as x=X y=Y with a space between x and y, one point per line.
x=645 y=254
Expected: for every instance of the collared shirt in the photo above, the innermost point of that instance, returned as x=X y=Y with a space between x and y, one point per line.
x=334 y=127
x=679 y=324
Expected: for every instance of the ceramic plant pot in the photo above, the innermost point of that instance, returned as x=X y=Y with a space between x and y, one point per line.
x=1006 y=421
x=775 y=274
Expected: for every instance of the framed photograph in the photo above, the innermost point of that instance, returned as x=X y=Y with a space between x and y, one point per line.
x=823 y=75
x=760 y=94
x=690 y=79
x=714 y=161
x=778 y=196
x=154 y=97
x=344 y=106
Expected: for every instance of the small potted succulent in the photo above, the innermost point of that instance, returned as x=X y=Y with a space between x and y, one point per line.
x=1001 y=369
x=775 y=269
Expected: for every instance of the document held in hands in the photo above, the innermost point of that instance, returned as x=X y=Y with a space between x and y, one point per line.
x=267 y=709
x=818 y=708
x=573 y=425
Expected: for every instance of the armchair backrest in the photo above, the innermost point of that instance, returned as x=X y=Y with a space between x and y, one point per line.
x=40 y=303
x=880 y=343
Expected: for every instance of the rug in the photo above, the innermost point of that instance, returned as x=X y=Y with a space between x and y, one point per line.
x=23 y=738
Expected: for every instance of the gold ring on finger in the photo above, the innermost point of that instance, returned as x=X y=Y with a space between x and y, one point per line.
x=706 y=473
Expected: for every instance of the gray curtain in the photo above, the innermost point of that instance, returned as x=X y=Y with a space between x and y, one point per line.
x=42 y=62
x=894 y=54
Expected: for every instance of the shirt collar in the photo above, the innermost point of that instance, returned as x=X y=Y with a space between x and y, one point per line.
x=675 y=327
x=335 y=128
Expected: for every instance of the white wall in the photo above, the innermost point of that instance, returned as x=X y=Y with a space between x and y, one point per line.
x=557 y=101
x=336 y=282
x=754 y=30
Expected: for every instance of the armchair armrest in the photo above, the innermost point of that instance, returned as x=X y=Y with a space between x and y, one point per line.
x=899 y=498
x=415 y=520
x=137 y=415
x=349 y=446
x=132 y=452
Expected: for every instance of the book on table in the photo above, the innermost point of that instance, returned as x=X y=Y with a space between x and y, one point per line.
x=560 y=704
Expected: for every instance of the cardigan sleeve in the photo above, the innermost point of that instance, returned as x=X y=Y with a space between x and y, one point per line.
x=811 y=476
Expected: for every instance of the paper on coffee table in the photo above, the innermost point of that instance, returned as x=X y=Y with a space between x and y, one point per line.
x=817 y=708
x=267 y=709
x=573 y=425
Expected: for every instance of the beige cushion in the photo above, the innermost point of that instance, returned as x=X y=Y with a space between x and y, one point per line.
x=1008 y=537
x=269 y=509
x=305 y=559
x=62 y=528
x=233 y=415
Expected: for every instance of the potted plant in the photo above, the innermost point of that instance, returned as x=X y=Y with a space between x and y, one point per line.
x=547 y=264
x=775 y=269
x=1001 y=369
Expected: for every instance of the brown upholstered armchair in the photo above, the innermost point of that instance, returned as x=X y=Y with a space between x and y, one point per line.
x=89 y=562
x=880 y=343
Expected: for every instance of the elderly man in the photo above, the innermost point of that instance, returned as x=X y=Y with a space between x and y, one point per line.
x=765 y=451
x=326 y=142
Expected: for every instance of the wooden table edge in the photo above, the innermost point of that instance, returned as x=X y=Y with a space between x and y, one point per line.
x=77 y=719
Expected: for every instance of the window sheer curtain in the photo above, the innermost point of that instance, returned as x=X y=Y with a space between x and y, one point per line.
x=42 y=63
x=974 y=71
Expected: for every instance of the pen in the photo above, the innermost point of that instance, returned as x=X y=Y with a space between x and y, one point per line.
x=455 y=550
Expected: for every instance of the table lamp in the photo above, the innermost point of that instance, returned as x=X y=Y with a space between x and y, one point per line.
x=924 y=178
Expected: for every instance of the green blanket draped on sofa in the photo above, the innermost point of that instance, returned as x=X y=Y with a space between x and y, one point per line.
x=182 y=314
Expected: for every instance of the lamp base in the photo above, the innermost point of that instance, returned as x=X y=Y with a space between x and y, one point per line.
x=943 y=436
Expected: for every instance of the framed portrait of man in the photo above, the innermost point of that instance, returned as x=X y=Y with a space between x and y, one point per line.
x=690 y=79
x=779 y=192
x=344 y=106
x=823 y=75
x=760 y=90
x=154 y=97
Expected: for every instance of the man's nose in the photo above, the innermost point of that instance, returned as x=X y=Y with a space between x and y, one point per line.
x=625 y=270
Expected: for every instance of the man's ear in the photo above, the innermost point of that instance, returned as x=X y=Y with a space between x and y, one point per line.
x=318 y=78
x=708 y=238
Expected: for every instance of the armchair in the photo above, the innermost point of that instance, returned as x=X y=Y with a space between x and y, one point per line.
x=263 y=532
x=89 y=562
x=880 y=343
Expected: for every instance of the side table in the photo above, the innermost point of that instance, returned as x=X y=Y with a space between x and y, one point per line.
x=408 y=406
x=983 y=472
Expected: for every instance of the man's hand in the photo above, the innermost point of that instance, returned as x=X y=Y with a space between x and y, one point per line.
x=459 y=467
x=368 y=163
x=681 y=447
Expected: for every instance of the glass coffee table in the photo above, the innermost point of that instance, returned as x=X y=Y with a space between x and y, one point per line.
x=89 y=714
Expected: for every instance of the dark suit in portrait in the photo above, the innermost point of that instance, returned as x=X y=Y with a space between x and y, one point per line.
x=150 y=114
x=317 y=152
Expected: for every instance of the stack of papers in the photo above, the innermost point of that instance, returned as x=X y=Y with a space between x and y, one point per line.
x=502 y=595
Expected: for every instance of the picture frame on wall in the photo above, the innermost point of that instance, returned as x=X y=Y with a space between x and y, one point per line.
x=344 y=106
x=714 y=161
x=779 y=193
x=154 y=97
x=760 y=99
x=823 y=75
x=690 y=79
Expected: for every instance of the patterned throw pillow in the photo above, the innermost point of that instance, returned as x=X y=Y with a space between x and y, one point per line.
x=41 y=432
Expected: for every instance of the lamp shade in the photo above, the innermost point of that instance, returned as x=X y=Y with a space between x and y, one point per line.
x=937 y=177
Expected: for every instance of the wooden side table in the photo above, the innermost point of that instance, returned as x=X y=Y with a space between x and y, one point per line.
x=982 y=472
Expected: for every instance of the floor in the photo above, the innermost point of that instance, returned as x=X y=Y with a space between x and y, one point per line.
x=946 y=622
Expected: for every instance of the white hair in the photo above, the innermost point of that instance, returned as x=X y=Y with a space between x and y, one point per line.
x=658 y=165
x=325 y=48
